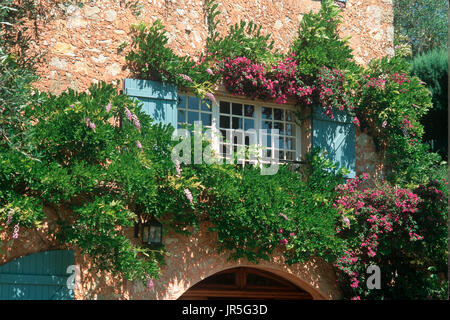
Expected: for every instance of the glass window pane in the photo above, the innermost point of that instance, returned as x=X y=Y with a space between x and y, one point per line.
x=224 y=107
x=224 y=122
x=237 y=123
x=206 y=105
x=249 y=124
x=289 y=116
x=281 y=155
x=266 y=113
x=192 y=116
x=181 y=102
x=267 y=140
x=206 y=119
x=279 y=126
x=278 y=114
x=181 y=116
x=237 y=109
x=267 y=125
x=193 y=103
x=290 y=143
x=249 y=110
x=281 y=142
x=290 y=156
x=290 y=129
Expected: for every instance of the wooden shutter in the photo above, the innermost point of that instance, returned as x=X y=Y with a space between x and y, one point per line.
x=39 y=276
x=337 y=136
x=159 y=99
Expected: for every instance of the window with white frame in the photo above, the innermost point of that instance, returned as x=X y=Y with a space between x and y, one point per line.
x=241 y=117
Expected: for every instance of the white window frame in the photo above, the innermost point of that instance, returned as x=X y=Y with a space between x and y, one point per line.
x=215 y=117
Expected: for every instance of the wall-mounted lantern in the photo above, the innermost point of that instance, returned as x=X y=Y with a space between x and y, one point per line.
x=151 y=232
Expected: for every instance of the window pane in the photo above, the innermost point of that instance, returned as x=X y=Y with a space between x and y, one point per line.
x=278 y=114
x=267 y=125
x=249 y=110
x=237 y=109
x=206 y=119
x=281 y=155
x=281 y=142
x=279 y=126
x=224 y=122
x=181 y=102
x=266 y=113
x=249 y=124
x=206 y=105
x=267 y=140
x=290 y=129
x=237 y=123
x=290 y=143
x=224 y=107
x=193 y=103
x=192 y=116
x=289 y=115
x=181 y=116
x=290 y=156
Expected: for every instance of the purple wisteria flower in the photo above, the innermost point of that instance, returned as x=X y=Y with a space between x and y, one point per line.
x=128 y=114
x=185 y=77
x=188 y=194
x=178 y=168
x=346 y=221
x=108 y=107
x=16 y=231
x=10 y=214
x=136 y=122
x=149 y=283
x=284 y=216
x=211 y=97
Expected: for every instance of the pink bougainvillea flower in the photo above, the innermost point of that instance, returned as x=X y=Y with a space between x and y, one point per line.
x=92 y=126
x=72 y=106
x=281 y=230
x=356 y=121
x=138 y=144
x=346 y=221
x=384 y=124
x=284 y=241
x=365 y=176
x=356 y=298
x=108 y=107
x=87 y=122
x=185 y=77
x=209 y=71
x=292 y=234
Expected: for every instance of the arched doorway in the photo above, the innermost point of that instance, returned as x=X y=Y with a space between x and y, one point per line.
x=245 y=283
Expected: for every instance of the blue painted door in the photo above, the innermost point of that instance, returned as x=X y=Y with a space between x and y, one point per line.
x=336 y=136
x=39 y=276
x=159 y=99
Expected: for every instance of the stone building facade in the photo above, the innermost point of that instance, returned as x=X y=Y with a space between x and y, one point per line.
x=81 y=45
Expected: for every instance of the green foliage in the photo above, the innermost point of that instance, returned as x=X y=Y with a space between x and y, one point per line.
x=391 y=104
x=318 y=44
x=432 y=68
x=424 y=22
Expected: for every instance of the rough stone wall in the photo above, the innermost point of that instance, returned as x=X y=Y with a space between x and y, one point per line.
x=81 y=43
x=81 y=48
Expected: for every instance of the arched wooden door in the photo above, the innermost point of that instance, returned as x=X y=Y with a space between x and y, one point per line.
x=39 y=276
x=245 y=283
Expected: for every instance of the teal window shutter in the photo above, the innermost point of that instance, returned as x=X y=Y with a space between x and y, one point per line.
x=39 y=276
x=159 y=98
x=336 y=136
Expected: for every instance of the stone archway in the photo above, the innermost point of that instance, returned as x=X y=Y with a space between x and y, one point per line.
x=194 y=258
x=245 y=283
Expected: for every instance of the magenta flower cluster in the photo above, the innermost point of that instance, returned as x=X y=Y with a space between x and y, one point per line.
x=281 y=82
x=330 y=89
x=378 y=212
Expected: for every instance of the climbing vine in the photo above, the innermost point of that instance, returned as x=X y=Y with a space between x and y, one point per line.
x=104 y=164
